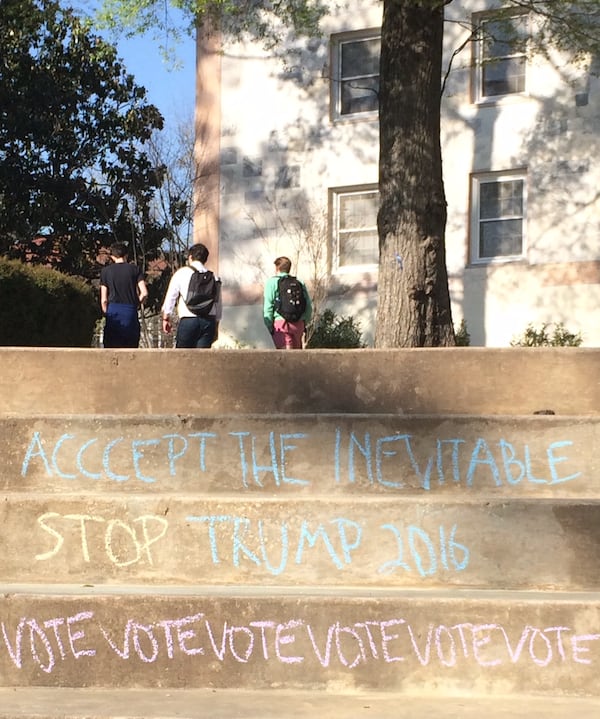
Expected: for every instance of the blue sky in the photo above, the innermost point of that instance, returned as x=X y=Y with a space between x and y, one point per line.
x=170 y=85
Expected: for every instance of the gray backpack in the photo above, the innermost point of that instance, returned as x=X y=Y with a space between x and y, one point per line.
x=202 y=293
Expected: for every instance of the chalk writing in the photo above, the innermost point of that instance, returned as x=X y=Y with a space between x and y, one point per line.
x=503 y=468
x=135 y=542
x=423 y=553
x=175 y=447
x=294 y=641
x=338 y=538
x=392 y=461
x=278 y=451
x=46 y=641
x=272 y=546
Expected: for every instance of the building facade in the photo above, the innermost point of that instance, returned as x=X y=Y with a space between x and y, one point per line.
x=288 y=155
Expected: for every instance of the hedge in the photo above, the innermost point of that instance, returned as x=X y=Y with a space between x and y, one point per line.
x=40 y=307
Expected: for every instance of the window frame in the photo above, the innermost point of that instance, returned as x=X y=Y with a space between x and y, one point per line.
x=479 y=61
x=477 y=180
x=336 y=81
x=335 y=194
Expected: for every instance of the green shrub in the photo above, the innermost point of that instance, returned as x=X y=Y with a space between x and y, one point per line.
x=543 y=337
x=40 y=307
x=463 y=338
x=333 y=332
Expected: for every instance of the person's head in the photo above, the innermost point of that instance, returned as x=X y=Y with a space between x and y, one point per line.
x=283 y=264
x=198 y=252
x=119 y=250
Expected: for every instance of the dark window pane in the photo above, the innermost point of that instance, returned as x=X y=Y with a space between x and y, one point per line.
x=360 y=57
x=502 y=77
x=358 y=248
x=505 y=37
x=500 y=238
x=500 y=199
x=360 y=95
x=358 y=211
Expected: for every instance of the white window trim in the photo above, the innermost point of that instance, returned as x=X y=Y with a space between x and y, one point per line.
x=336 y=42
x=479 y=97
x=476 y=181
x=334 y=194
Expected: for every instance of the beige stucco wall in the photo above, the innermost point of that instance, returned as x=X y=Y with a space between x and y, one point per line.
x=556 y=140
x=276 y=113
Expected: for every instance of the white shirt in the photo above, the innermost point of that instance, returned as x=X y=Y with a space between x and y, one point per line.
x=177 y=290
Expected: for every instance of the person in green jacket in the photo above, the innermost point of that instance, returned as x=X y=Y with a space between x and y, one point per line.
x=287 y=307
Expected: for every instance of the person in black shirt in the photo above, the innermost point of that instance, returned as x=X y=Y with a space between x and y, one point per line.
x=122 y=292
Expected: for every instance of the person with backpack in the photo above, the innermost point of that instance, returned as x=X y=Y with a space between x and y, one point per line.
x=287 y=307
x=196 y=292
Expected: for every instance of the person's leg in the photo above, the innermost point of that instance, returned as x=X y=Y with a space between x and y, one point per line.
x=296 y=332
x=136 y=333
x=281 y=335
x=206 y=332
x=288 y=335
x=131 y=327
x=122 y=327
x=186 y=333
x=110 y=335
x=196 y=333
x=288 y=338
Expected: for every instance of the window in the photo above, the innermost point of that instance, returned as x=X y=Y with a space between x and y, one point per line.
x=498 y=216
x=502 y=56
x=355 y=82
x=356 y=242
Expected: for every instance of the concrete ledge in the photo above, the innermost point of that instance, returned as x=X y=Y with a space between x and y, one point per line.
x=303 y=455
x=43 y=703
x=422 y=381
x=423 y=644
x=226 y=543
x=360 y=542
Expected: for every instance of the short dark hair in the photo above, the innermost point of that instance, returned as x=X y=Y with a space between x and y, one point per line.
x=283 y=264
x=198 y=252
x=119 y=249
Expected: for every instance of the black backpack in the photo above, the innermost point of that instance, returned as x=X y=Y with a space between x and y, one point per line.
x=290 y=302
x=202 y=293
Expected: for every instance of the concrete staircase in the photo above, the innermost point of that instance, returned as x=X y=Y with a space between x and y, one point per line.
x=376 y=534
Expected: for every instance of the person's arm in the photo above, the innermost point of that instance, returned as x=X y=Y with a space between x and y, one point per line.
x=142 y=291
x=103 y=298
x=307 y=315
x=168 y=304
x=269 y=303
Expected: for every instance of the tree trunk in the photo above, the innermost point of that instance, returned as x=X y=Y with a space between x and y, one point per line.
x=414 y=300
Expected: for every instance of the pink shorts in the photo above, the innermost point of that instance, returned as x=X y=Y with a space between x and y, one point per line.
x=288 y=335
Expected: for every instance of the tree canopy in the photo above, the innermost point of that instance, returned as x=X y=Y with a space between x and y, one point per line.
x=271 y=22
x=73 y=124
x=568 y=24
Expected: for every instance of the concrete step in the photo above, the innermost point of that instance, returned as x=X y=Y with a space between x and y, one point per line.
x=514 y=456
x=42 y=703
x=361 y=541
x=430 y=644
x=267 y=545
x=462 y=380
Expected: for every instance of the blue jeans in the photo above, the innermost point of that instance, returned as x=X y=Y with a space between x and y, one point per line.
x=122 y=327
x=195 y=332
